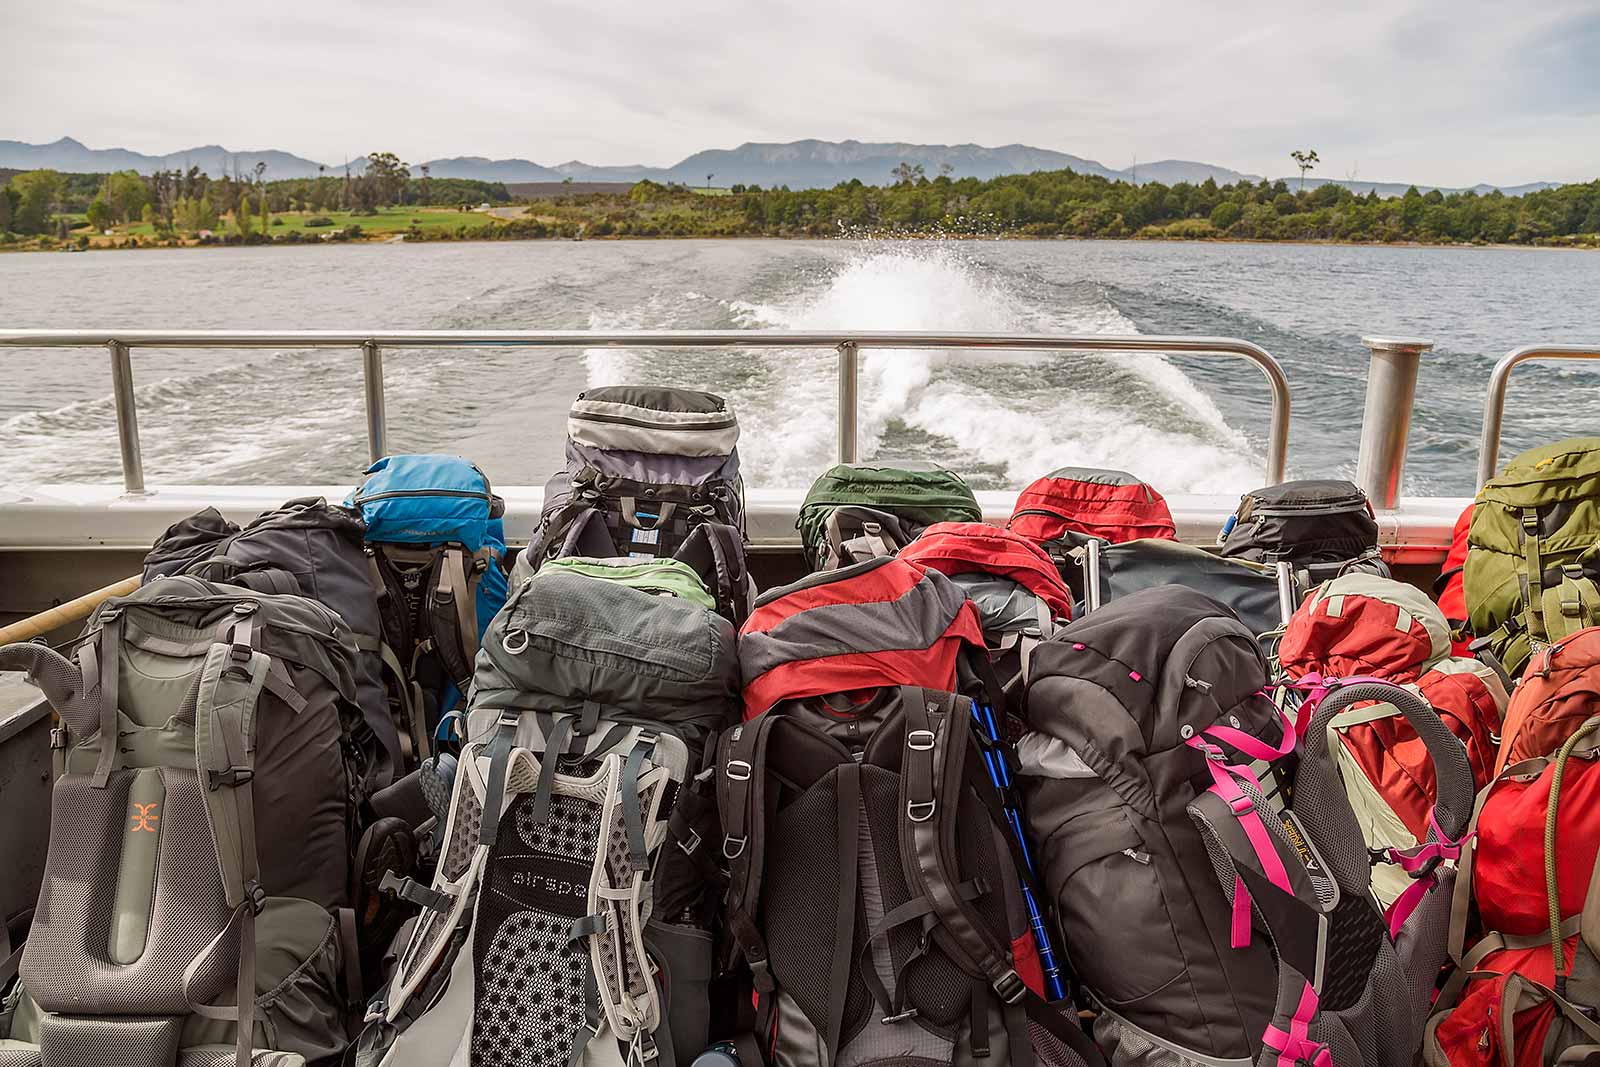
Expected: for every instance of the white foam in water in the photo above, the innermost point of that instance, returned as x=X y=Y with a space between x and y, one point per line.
x=1164 y=429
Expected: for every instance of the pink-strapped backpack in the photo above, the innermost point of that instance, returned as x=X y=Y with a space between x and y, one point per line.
x=1209 y=923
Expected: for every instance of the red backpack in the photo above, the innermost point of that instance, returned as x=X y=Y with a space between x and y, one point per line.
x=1509 y=1001
x=880 y=623
x=1450 y=587
x=1111 y=505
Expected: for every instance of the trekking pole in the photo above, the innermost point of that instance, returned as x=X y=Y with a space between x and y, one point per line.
x=1055 y=987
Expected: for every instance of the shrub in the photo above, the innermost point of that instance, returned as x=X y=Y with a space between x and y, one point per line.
x=318 y=220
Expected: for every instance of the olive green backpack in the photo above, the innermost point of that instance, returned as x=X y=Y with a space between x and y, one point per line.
x=855 y=512
x=1534 y=552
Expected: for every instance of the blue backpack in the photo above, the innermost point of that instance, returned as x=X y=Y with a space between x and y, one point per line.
x=436 y=543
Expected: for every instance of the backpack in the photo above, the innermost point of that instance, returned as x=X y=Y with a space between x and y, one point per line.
x=1533 y=552
x=1449 y=588
x=1556 y=695
x=1363 y=626
x=596 y=693
x=436 y=546
x=1111 y=505
x=1521 y=994
x=201 y=861
x=1099 y=573
x=644 y=467
x=1019 y=595
x=1163 y=857
x=873 y=930
x=855 y=512
x=1322 y=528
x=310 y=548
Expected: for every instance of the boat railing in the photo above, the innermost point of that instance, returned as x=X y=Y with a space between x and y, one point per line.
x=119 y=345
x=1494 y=406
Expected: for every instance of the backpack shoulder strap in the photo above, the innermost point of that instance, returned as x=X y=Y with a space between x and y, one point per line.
x=742 y=799
x=231 y=681
x=932 y=777
x=453 y=612
x=716 y=552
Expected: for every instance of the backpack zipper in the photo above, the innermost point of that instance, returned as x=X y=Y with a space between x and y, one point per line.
x=396 y=493
x=623 y=420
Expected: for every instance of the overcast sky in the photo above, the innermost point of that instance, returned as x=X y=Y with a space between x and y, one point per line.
x=1437 y=92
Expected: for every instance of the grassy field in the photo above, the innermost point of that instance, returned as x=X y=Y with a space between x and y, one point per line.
x=387 y=220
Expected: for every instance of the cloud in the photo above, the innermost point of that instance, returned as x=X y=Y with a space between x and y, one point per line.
x=1397 y=90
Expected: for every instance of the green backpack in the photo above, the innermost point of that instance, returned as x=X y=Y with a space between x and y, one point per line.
x=853 y=513
x=1534 y=552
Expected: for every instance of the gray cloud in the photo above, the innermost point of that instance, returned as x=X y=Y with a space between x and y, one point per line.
x=1403 y=89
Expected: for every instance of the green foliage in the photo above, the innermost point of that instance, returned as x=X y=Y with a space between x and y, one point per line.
x=100 y=214
x=387 y=175
x=127 y=195
x=6 y=206
x=38 y=199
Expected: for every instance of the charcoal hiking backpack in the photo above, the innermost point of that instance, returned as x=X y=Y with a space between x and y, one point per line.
x=199 y=835
x=1111 y=505
x=436 y=547
x=1321 y=528
x=1533 y=556
x=1163 y=857
x=645 y=466
x=1015 y=587
x=1527 y=973
x=540 y=941
x=856 y=512
x=874 y=931
x=311 y=548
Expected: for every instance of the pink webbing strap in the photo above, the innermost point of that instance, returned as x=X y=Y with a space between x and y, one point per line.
x=1413 y=859
x=1295 y=1044
x=1253 y=746
x=1225 y=785
x=1318 y=687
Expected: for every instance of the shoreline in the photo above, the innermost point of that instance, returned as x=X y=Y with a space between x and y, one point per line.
x=405 y=239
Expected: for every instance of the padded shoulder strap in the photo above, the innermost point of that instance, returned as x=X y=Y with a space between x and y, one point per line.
x=62 y=682
x=258 y=577
x=231 y=681
x=453 y=613
x=932 y=778
x=716 y=552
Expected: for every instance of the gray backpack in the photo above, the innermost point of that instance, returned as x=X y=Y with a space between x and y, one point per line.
x=645 y=466
x=1166 y=862
x=597 y=690
x=200 y=859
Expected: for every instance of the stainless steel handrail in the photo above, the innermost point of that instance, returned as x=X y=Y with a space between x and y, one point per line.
x=848 y=346
x=1494 y=406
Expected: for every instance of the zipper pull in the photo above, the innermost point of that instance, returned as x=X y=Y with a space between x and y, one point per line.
x=1136 y=856
x=1195 y=683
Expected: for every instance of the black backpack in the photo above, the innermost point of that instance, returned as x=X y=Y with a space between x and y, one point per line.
x=870 y=925
x=1320 y=527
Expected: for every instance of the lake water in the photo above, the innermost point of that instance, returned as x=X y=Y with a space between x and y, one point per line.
x=1187 y=424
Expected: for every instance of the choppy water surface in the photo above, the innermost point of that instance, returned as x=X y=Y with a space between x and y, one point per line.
x=1188 y=424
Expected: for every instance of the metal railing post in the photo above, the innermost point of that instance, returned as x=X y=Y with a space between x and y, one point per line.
x=1494 y=405
x=849 y=396
x=127 y=417
x=1386 y=421
x=372 y=381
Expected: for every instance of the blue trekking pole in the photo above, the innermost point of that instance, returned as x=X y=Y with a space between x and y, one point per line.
x=1054 y=987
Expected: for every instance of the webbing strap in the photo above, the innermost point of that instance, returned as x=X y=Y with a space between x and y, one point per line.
x=350 y=945
x=108 y=650
x=555 y=746
x=494 y=794
x=1294 y=1045
x=411 y=709
x=632 y=816
x=849 y=822
x=1225 y=784
x=1533 y=572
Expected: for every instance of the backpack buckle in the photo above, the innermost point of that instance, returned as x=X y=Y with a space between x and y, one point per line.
x=899 y=1017
x=733 y=847
x=58 y=737
x=1242 y=804
x=1010 y=987
x=690 y=845
x=255 y=896
x=742 y=767
x=232 y=778
x=916 y=743
x=921 y=812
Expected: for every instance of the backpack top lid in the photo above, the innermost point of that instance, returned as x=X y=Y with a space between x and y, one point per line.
x=879 y=623
x=958 y=548
x=652 y=420
x=1362 y=624
x=570 y=636
x=429 y=499
x=1313 y=520
x=1123 y=683
x=1112 y=505
x=924 y=496
x=1562 y=470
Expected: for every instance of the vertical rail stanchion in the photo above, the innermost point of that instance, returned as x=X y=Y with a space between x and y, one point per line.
x=849 y=388
x=127 y=417
x=372 y=380
x=1386 y=420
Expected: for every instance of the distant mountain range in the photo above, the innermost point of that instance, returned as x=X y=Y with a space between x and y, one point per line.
x=797 y=164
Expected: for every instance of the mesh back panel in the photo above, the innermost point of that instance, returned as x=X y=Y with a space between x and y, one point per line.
x=108 y=1042
x=464 y=839
x=1127 y=1048
x=530 y=979
x=66 y=965
x=801 y=894
x=1049 y=1050
x=19 y=1057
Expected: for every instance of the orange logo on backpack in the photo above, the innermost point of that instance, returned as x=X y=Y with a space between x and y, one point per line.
x=146 y=819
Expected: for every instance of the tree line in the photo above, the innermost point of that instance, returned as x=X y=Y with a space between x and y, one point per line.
x=48 y=203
